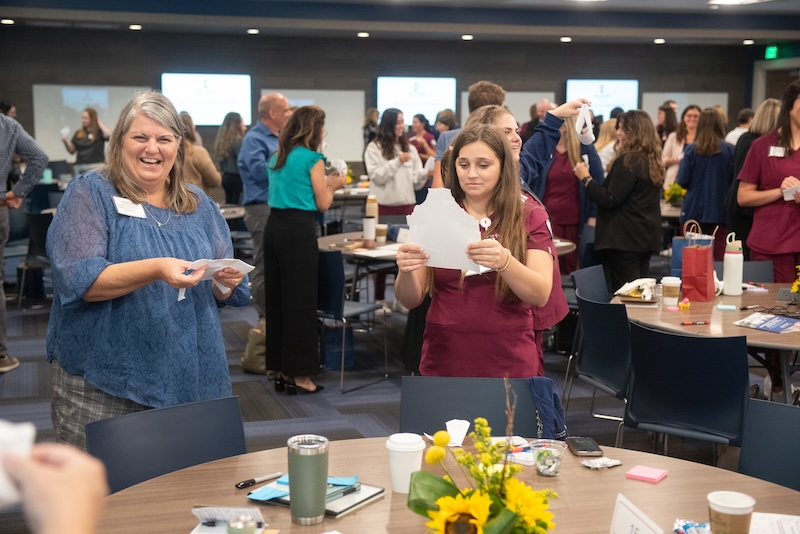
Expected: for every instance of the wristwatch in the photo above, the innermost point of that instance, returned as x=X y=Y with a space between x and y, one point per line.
x=586 y=180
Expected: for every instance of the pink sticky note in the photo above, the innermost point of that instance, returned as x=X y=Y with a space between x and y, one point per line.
x=647 y=474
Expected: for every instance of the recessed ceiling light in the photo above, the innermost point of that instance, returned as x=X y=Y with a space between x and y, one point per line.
x=362 y=35
x=659 y=41
x=135 y=27
x=735 y=2
x=748 y=42
x=587 y=1
x=566 y=39
x=7 y=21
x=467 y=37
x=253 y=31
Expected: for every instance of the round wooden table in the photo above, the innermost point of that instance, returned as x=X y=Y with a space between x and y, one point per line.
x=586 y=502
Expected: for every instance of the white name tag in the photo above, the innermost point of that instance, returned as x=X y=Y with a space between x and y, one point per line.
x=777 y=152
x=628 y=519
x=127 y=207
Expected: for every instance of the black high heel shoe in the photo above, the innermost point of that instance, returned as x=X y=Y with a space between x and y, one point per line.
x=279 y=383
x=292 y=388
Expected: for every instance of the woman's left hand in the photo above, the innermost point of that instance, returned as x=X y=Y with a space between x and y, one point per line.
x=488 y=253
x=581 y=170
x=229 y=277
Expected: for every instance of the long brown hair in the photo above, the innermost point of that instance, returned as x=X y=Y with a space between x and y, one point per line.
x=157 y=107
x=228 y=134
x=387 y=138
x=641 y=140
x=93 y=130
x=506 y=202
x=682 y=130
x=790 y=95
x=304 y=128
x=710 y=131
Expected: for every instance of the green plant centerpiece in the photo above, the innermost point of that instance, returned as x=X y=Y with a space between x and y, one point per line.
x=494 y=503
x=674 y=194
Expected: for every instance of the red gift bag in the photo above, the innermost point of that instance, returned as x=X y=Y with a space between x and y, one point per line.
x=697 y=275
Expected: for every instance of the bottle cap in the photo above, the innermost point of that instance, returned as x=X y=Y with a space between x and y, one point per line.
x=733 y=246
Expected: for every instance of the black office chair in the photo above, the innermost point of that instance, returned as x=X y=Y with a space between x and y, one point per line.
x=752 y=271
x=604 y=361
x=769 y=443
x=592 y=283
x=331 y=304
x=428 y=402
x=36 y=258
x=687 y=385
x=144 y=445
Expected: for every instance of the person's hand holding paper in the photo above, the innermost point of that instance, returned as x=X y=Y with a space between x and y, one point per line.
x=443 y=230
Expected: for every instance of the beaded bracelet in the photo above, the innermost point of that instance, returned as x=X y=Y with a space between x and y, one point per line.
x=508 y=262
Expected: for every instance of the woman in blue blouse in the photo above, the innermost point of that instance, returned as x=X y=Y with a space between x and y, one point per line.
x=298 y=188
x=120 y=339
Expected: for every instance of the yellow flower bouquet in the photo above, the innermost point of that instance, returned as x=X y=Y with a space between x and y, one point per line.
x=796 y=283
x=495 y=502
x=674 y=194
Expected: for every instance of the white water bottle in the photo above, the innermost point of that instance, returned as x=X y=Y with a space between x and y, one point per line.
x=732 y=267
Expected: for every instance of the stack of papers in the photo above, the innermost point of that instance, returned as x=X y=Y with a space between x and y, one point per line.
x=770 y=323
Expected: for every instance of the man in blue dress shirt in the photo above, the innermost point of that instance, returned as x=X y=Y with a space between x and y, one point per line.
x=257 y=147
x=13 y=139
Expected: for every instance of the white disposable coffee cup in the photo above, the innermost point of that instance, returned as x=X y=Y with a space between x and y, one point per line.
x=380 y=233
x=730 y=512
x=405 y=457
x=670 y=290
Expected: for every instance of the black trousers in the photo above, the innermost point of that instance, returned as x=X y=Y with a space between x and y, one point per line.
x=291 y=265
x=621 y=266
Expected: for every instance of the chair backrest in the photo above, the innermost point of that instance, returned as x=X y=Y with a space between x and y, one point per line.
x=143 y=445
x=605 y=354
x=331 y=285
x=38 y=198
x=38 y=224
x=591 y=282
x=752 y=271
x=699 y=383
x=428 y=402
x=769 y=444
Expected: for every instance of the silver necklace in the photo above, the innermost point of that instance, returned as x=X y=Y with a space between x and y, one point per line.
x=160 y=224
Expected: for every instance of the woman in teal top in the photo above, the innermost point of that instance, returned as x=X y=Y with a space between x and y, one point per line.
x=298 y=187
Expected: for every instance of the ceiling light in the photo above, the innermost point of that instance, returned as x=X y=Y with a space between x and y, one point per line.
x=659 y=41
x=467 y=37
x=748 y=42
x=566 y=39
x=7 y=21
x=587 y=1
x=253 y=31
x=735 y=2
x=135 y=27
x=362 y=35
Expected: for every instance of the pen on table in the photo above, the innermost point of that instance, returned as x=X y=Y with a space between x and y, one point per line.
x=258 y=480
x=521 y=449
x=751 y=307
x=754 y=284
x=692 y=323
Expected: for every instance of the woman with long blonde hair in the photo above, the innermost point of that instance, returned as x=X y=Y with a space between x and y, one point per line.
x=89 y=142
x=606 y=144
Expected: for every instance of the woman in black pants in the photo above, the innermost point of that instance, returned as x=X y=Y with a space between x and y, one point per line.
x=298 y=187
x=628 y=202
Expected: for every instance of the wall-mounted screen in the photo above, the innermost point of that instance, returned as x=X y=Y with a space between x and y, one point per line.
x=414 y=94
x=605 y=95
x=209 y=97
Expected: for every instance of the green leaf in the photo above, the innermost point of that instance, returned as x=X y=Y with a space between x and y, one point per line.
x=425 y=489
x=502 y=523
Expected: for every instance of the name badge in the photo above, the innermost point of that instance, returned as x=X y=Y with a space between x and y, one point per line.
x=628 y=519
x=777 y=152
x=127 y=207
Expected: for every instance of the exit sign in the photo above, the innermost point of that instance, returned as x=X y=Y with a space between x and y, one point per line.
x=771 y=52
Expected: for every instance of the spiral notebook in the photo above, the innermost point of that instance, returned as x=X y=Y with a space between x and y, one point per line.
x=338 y=507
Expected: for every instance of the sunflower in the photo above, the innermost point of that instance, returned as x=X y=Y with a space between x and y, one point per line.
x=796 y=284
x=531 y=506
x=475 y=506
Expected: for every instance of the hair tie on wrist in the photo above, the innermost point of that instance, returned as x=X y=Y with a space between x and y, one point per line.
x=508 y=262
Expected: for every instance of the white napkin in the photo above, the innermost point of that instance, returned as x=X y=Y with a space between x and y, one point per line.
x=584 y=120
x=213 y=267
x=17 y=438
x=645 y=285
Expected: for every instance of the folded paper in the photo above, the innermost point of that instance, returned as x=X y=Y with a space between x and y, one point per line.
x=213 y=267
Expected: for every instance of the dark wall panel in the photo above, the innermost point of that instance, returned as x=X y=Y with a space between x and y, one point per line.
x=32 y=56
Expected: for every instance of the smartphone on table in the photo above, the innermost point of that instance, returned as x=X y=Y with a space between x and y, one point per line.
x=584 y=446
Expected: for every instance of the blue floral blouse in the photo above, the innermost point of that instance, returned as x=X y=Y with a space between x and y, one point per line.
x=145 y=346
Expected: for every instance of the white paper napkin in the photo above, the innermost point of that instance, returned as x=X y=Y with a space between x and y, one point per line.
x=584 y=120
x=16 y=438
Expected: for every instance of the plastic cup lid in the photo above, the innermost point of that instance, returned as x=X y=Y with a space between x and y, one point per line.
x=405 y=441
x=731 y=502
